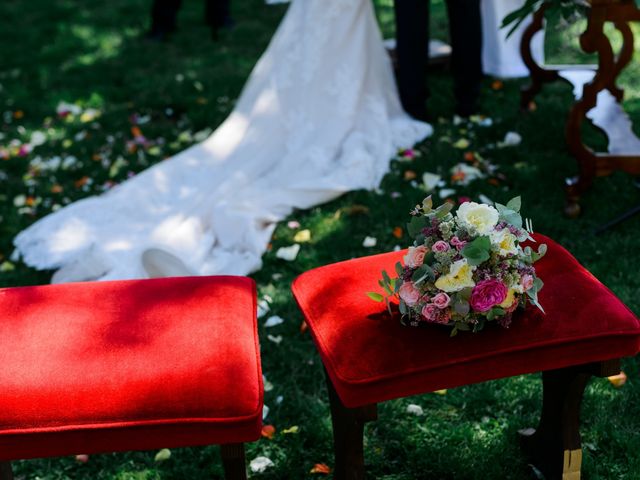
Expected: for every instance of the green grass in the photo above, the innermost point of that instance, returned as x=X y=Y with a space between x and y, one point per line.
x=92 y=53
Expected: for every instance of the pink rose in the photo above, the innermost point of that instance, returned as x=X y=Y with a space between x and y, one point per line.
x=440 y=246
x=441 y=300
x=487 y=294
x=429 y=312
x=459 y=244
x=409 y=293
x=415 y=256
x=527 y=282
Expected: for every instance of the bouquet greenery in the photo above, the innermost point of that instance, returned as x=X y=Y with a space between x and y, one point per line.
x=464 y=269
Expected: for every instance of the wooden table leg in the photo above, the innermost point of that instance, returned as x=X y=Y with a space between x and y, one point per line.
x=348 y=436
x=555 y=446
x=539 y=75
x=233 y=460
x=5 y=471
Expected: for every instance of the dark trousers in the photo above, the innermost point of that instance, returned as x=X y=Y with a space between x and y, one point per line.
x=412 y=37
x=164 y=13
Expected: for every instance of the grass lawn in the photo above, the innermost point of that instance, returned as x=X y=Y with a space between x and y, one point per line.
x=91 y=54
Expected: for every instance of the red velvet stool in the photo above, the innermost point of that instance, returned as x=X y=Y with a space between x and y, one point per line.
x=129 y=365
x=370 y=357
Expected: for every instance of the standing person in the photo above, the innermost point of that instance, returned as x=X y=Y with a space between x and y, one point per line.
x=165 y=12
x=412 y=34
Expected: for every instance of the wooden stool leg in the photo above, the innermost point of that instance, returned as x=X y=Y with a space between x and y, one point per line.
x=348 y=436
x=5 y=471
x=555 y=446
x=233 y=461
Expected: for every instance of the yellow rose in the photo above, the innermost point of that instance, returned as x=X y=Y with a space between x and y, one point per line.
x=478 y=216
x=459 y=277
x=509 y=300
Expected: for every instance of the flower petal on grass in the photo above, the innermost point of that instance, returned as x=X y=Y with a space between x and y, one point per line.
x=302 y=236
x=273 y=320
x=369 y=242
x=163 y=455
x=260 y=464
x=430 y=180
x=321 y=468
x=268 y=431
x=414 y=409
x=290 y=430
x=288 y=253
x=618 y=380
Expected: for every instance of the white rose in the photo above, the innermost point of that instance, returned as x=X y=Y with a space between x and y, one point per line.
x=504 y=242
x=483 y=218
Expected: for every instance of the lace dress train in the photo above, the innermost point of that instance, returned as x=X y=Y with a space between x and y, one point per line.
x=319 y=116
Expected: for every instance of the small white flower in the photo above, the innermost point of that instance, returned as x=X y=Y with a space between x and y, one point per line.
x=415 y=410
x=265 y=411
x=275 y=339
x=288 y=253
x=369 y=242
x=260 y=464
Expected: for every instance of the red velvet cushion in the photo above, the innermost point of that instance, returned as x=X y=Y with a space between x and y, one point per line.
x=371 y=357
x=142 y=364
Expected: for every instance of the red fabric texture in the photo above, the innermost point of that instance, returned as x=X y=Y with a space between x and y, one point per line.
x=127 y=365
x=370 y=357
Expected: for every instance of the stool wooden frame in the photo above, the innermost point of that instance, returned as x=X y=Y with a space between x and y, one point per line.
x=554 y=447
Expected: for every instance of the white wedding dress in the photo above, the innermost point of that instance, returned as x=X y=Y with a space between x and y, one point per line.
x=319 y=116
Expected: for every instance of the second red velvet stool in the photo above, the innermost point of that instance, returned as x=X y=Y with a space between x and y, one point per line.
x=370 y=358
x=129 y=365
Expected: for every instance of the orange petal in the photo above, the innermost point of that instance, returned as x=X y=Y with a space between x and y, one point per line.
x=321 y=468
x=497 y=85
x=469 y=156
x=304 y=327
x=410 y=175
x=136 y=132
x=268 y=431
x=397 y=232
x=81 y=182
x=618 y=380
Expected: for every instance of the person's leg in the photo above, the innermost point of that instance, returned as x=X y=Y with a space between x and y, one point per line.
x=412 y=38
x=163 y=17
x=217 y=15
x=465 y=25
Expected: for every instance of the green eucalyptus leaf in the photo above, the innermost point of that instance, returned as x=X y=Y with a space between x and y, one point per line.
x=399 y=269
x=415 y=226
x=376 y=297
x=515 y=204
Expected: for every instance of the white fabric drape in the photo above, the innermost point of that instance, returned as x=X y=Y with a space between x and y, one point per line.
x=319 y=116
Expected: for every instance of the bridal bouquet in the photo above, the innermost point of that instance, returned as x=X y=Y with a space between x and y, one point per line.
x=464 y=269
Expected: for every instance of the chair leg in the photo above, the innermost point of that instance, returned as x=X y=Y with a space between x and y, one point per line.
x=233 y=461
x=555 y=446
x=348 y=436
x=5 y=471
